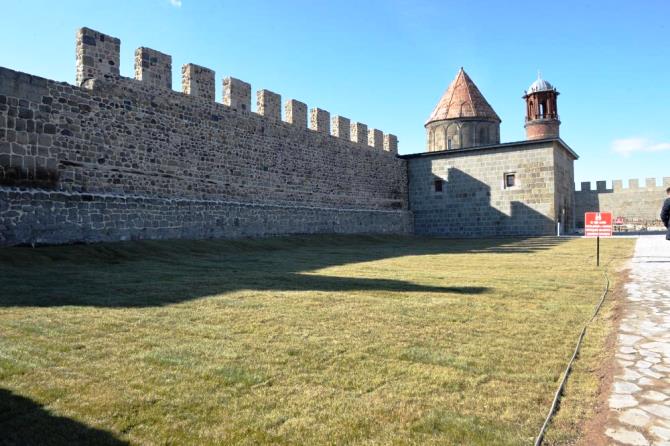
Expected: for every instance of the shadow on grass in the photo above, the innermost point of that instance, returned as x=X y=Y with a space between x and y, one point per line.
x=154 y=273
x=25 y=422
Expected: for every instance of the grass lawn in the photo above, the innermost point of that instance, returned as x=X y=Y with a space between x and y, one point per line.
x=301 y=340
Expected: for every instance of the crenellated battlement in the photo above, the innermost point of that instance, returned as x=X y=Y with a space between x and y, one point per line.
x=117 y=158
x=634 y=184
x=637 y=202
x=98 y=57
x=197 y=81
x=153 y=68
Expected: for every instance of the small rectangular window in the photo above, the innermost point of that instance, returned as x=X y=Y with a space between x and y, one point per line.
x=438 y=185
x=449 y=144
x=510 y=180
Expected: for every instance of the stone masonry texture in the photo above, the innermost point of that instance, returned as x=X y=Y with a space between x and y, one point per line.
x=390 y=143
x=319 y=120
x=340 y=127
x=359 y=133
x=123 y=158
x=197 y=81
x=42 y=216
x=376 y=139
x=115 y=158
x=474 y=200
x=153 y=68
x=97 y=55
x=237 y=94
x=295 y=113
x=268 y=104
x=635 y=203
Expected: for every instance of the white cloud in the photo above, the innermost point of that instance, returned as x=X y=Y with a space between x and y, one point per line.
x=176 y=3
x=628 y=146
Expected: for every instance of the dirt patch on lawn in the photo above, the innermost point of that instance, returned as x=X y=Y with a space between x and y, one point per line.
x=594 y=429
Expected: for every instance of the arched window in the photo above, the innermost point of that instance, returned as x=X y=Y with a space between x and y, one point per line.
x=482 y=136
x=541 y=109
x=439 y=138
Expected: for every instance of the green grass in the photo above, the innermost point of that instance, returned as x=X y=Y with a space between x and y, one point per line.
x=301 y=340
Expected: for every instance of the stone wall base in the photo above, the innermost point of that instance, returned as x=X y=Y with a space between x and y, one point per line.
x=52 y=217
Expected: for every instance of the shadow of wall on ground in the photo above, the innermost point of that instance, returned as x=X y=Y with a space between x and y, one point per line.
x=25 y=422
x=155 y=273
x=464 y=209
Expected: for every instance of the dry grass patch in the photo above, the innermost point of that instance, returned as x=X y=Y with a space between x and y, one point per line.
x=302 y=340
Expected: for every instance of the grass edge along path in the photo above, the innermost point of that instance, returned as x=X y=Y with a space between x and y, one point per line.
x=580 y=412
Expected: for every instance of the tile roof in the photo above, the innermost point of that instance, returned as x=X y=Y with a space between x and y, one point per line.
x=462 y=100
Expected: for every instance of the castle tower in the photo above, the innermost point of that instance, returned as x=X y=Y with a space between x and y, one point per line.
x=541 y=110
x=462 y=118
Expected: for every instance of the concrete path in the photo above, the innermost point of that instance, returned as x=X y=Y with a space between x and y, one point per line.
x=640 y=396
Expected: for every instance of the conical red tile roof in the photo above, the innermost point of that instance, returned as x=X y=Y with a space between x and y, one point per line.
x=462 y=100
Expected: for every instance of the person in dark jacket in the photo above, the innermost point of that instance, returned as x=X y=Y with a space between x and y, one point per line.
x=665 y=214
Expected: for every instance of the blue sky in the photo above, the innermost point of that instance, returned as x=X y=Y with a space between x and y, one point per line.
x=386 y=63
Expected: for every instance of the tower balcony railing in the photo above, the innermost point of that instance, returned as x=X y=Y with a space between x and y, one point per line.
x=542 y=116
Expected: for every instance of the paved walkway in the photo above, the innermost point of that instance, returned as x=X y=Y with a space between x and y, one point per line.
x=640 y=394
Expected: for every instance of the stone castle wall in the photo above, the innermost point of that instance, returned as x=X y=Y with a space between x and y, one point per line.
x=474 y=200
x=564 y=184
x=118 y=158
x=636 y=204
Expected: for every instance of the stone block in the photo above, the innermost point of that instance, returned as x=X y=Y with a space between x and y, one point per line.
x=268 y=104
x=153 y=68
x=340 y=127
x=585 y=186
x=237 y=94
x=376 y=139
x=601 y=186
x=16 y=161
x=391 y=143
x=295 y=112
x=650 y=183
x=98 y=56
x=359 y=133
x=319 y=120
x=29 y=163
x=198 y=81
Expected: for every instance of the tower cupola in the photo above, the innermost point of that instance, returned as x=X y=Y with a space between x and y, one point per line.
x=542 y=119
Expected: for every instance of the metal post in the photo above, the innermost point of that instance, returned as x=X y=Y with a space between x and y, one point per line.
x=598 y=251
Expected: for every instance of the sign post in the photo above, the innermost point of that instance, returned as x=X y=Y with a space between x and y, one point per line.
x=598 y=224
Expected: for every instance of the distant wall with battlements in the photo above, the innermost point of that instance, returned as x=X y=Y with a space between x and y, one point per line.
x=116 y=158
x=637 y=203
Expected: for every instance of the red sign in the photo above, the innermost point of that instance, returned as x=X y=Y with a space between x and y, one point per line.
x=598 y=224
